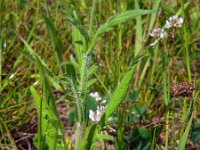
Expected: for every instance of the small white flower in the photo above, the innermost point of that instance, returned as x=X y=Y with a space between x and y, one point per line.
x=104 y=102
x=12 y=76
x=92 y=115
x=174 y=21
x=101 y=108
x=96 y=116
x=4 y=45
x=96 y=96
x=154 y=43
x=159 y=33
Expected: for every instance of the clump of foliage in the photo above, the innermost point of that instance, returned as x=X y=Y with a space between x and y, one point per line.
x=141 y=57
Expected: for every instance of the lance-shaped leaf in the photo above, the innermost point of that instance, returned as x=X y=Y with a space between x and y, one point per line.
x=119 y=94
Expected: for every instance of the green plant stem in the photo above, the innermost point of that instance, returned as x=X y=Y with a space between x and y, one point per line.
x=187 y=54
x=166 y=80
x=78 y=105
x=83 y=74
x=81 y=88
x=80 y=101
x=9 y=135
x=92 y=17
x=47 y=9
x=173 y=125
x=37 y=10
x=186 y=38
x=120 y=131
x=40 y=145
x=80 y=129
x=155 y=56
x=184 y=110
x=167 y=128
x=1 y=49
x=56 y=17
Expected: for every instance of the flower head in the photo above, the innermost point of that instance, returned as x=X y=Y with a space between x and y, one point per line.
x=96 y=96
x=174 y=21
x=159 y=33
x=96 y=116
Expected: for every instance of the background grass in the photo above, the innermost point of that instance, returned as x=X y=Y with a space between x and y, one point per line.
x=44 y=27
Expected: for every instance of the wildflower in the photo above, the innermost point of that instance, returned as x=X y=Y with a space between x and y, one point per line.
x=96 y=116
x=159 y=33
x=96 y=96
x=174 y=21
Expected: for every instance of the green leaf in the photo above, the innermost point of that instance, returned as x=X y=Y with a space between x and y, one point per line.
x=195 y=132
x=104 y=137
x=90 y=82
x=180 y=10
x=51 y=30
x=156 y=4
x=74 y=63
x=140 y=110
x=72 y=116
x=31 y=55
x=116 y=20
x=92 y=70
x=133 y=97
x=71 y=72
x=36 y=96
x=78 y=42
x=88 y=138
x=91 y=104
x=184 y=137
x=49 y=122
x=1 y=51
x=55 y=41
x=119 y=94
x=55 y=84
x=144 y=133
x=138 y=38
x=80 y=35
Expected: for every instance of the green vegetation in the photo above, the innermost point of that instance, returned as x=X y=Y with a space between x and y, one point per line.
x=94 y=74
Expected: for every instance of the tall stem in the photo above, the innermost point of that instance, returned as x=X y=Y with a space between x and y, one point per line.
x=166 y=79
x=1 y=49
x=80 y=96
x=80 y=129
x=92 y=17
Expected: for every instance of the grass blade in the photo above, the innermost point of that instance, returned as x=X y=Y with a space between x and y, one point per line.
x=138 y=38
x=116 y=20
x=88 y=138
x=184 y=137
x=56 y=41
x=156 y=5
x=1 y=49
x=78 y=43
